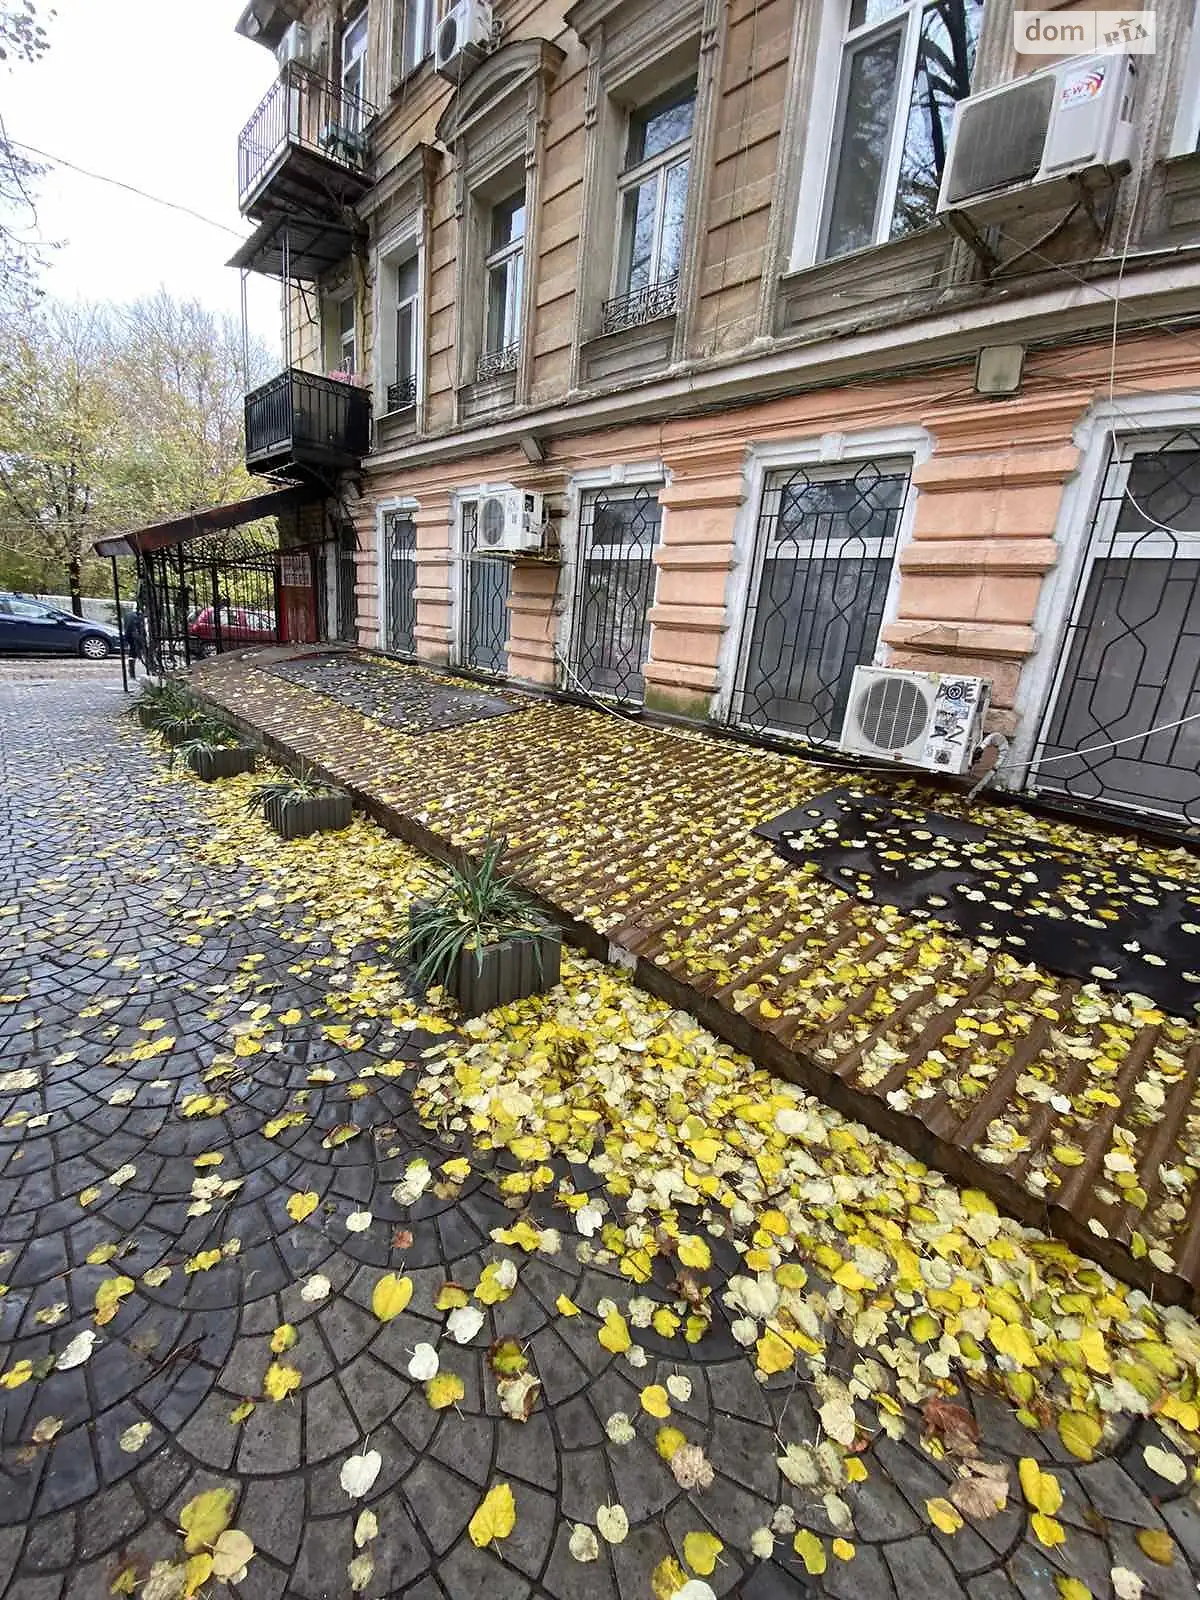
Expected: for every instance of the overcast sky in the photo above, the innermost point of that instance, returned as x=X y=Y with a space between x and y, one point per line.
x=154 y=93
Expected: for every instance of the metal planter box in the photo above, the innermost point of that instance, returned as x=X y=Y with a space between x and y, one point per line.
x=213 y=764
x=504 y=972
x=326 y=813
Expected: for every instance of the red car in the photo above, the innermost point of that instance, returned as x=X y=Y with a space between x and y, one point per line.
x=238 y=628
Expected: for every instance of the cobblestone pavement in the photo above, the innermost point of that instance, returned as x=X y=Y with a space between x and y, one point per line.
x=108 y=948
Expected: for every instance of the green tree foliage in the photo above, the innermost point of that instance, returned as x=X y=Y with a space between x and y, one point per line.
x=112 y=417
x=22 y=41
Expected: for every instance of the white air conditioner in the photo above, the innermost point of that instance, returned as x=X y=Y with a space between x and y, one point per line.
x=510 y=523
x=1030 y=144
x=917 y=719
x=463 y=31
x=296 y=45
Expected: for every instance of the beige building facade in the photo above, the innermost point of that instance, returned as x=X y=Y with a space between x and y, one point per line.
x=674 y=270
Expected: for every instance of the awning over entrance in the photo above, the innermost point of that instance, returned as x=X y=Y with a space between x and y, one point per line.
x=178 y=530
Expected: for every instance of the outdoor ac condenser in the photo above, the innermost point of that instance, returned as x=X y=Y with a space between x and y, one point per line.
x=916 y=719
x=463 y=31
x=510 y=522
x=1029 y=144
x=296 y=45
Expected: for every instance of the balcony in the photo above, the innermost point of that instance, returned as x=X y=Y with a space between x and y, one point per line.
x=306 y=149
x=303 y=419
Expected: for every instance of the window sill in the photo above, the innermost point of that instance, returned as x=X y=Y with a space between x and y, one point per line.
x=1180 y=178
x=900 y=278
x=630 y=352
x=488 y=394
x=410 y=76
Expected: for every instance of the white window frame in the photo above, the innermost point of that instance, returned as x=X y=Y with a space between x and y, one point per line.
x=461 y=498
x=1147 y=418
x=656 y=166
x=416 y=19
x=403 y=245
x=353 y=55
x=834 y=451
x=1185 y=139
x=514 y=281
x=337 y=304
x=825 y=124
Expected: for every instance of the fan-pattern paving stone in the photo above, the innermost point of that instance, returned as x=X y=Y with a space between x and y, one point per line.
x=97 y=939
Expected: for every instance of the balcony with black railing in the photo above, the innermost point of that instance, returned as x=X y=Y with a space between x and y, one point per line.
x=305 y=149
x=402 y=395
x=304 y=419
x=643 y=305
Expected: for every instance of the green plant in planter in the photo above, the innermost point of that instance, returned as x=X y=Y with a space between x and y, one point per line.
x=482 y=939
x=159 y=703
x=300 y=803
x=213 y=750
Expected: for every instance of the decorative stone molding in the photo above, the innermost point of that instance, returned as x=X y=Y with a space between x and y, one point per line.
x=886 y=283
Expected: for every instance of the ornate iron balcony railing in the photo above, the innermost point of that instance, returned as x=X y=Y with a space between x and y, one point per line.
x=643 y=305
x=402 y=395
x=307 y=111
x=305 y=416
x=492 y=363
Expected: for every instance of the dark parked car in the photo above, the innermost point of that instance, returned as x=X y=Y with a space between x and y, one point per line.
x=29 y=627
x=238 y=627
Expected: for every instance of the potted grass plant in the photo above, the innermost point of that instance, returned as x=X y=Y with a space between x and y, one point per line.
x=297 y=804
x=162 y=704
x=213 y=750
x=482 y=939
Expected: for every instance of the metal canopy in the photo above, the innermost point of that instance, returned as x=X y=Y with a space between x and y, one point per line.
x=178 y=530
x=301 y=248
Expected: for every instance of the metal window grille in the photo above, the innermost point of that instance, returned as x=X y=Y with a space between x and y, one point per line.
x=618 y=535
x=825 y=547
x=402 y=396
x=400 y=554
x=494 y=363
x=486 y=586
x=1130 y=660
x=643 y=305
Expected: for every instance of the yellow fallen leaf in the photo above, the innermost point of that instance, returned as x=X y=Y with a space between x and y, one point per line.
x=109 y=1296
x=19 y=1373
x=1041 y=1489
x=291 y=1018
x=667 y=1441
x=280 y=1380
x=700 y=1551
x=943 y=1515
x=1080 y=1433
x=843 y=1549
x=694 y=1252
x=811 y=1551
x=656 y=1401
x=444 y=1390
x=283 y=1338
x=667 y=1579
x=773 y=1353
x=197 y=1572
x=856 y=1470
x=1157 y=1544
x=1071 y=1588
x=614 y=1334
x=1048 y=1531
x=450 y=1297
x=202 y=1261
x=390 y=1296
x=495 y=1517
x=496 y=1283
x=205 y=1518
x=566 y=1307
x=300 y=1206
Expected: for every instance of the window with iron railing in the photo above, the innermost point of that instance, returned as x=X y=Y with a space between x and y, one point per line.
x=504 y=269
x=653 y=191
x=402 y=391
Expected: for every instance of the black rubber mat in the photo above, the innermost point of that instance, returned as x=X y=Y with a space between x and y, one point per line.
x=411 y=700
x=1079 y=914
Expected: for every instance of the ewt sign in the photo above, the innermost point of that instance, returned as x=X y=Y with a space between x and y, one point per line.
x=1070 y=33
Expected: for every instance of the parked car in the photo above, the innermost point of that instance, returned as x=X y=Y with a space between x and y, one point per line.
x=28 y=627
x=238 y=627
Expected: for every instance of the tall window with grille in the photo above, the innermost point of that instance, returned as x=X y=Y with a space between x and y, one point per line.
x=653 y=201
x=400 y=582
x=618 y=534
x=504 y=280
x=486 y=583
x=1118 y=731
x=825 y=549
x=347 y=576
x=904 y=65
x=402 y=390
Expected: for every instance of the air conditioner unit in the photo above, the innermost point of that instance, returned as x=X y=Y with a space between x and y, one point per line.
x=296 y=45
x=510 y=522
x=1030 y=144
x=460 y=39
x=917 y=719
